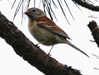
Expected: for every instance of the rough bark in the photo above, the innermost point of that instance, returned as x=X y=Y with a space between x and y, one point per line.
x=95 y=31
x=30 y=52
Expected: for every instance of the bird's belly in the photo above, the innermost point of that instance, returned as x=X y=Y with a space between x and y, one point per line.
x=43 y=36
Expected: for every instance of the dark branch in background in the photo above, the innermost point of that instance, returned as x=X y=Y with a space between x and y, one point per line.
x=95 y=31
x=30 y=52
x=86 y=4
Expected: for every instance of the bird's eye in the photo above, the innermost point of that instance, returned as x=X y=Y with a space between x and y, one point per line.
x=33 y=10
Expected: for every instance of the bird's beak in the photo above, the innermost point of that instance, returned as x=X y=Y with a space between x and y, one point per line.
x=26 y=13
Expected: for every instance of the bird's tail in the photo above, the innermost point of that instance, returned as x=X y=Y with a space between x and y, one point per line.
x=76 y=47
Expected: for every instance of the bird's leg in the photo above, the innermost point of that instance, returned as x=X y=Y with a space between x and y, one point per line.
x=50 y=50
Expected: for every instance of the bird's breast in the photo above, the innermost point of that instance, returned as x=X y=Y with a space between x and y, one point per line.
x=42 y=35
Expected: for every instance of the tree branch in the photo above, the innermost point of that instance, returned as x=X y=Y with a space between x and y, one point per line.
x=30 y=52
x=95 y=31
x=86 y=5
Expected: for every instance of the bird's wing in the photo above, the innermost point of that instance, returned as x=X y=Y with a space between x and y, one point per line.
x=49 y=25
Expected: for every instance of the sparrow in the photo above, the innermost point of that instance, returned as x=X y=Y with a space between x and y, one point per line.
x=45 y=31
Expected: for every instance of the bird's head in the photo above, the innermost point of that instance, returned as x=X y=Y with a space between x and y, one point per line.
x=34 y=13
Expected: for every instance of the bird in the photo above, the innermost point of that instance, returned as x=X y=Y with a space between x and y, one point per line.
x=45 y=31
